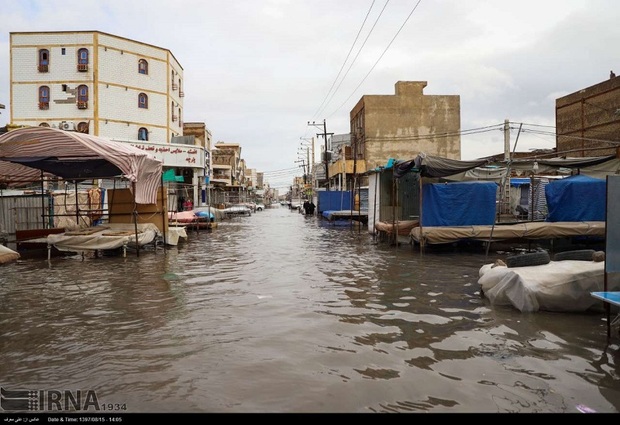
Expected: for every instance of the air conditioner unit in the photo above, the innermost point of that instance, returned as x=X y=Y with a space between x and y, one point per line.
x=68 y=126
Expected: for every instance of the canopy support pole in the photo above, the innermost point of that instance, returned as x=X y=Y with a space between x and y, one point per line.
x=135 y=218
x=164 y=206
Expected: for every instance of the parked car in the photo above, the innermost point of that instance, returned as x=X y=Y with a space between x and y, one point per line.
x=237 y=210
x=260 y=207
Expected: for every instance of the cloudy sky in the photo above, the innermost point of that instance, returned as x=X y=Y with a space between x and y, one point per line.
x=257 y=71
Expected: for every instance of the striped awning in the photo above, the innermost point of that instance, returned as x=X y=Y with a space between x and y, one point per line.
x=27 y=153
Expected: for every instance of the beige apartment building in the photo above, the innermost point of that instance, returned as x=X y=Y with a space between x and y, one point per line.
x=111 y=87
x=228 y=173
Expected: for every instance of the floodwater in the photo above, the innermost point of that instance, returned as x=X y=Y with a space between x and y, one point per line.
x=278 y=313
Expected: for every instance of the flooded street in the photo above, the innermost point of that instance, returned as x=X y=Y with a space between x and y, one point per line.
x=278 y=313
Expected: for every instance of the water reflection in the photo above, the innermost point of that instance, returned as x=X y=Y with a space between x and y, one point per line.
x=278 y=313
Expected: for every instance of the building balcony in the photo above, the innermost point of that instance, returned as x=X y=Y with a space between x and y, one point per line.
x=221 y=180
x=82 y=105
x=221 y=176
x=346 y=166
x=44 y=105
x=82 y=67
x=43 y=68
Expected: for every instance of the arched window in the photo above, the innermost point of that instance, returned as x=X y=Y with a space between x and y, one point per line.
x=82 y=96
x=143 y=67
x=174 y=117
x=44 y=60
x=44 y=97
x=82 y=60
x=143 y=101
x=82 y=92
x=143 y=134
x=83 y=56
x=44 y=124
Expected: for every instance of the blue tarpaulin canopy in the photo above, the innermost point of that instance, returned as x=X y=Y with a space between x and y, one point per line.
x=459 y=204
x=576 y=198
x=519 y=181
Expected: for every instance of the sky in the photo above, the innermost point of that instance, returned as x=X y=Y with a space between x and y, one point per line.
x=267 y=73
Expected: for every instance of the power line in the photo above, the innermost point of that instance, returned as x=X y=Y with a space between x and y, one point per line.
x=584 y=139
x=358 y=52
x=345 y=60
x=277 y=171
x=380 y=57
x=469 y=132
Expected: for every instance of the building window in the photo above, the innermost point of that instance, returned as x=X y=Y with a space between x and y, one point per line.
x=174 y=117
x=44 y=124
x=181 y=94
x=44 y=60
x=44 y=97
x=143 y=134
x=143 y=67
x=143 y=101
x=82 y=96
x=82 y=60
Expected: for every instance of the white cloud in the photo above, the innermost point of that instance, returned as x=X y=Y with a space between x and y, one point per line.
x=256 y=71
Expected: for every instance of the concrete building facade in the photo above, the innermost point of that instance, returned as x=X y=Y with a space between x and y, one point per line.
x=405 y=124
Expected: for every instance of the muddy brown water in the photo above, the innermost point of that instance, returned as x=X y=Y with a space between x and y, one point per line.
x=278 y=312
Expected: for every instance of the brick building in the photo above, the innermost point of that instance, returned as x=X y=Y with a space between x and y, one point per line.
x=588 y=121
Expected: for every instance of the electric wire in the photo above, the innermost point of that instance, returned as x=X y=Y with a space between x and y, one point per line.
x=380 y=57
x=345 y=61
x=357 y=55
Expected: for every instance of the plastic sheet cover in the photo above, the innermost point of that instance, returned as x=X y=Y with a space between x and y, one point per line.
x=556 y=286
x=576 y=198
x=459 y=203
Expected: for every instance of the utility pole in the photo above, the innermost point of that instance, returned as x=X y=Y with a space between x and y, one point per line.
x=505 y=201
x=326 y=160
x=313 y=158
x=506 y=140
x=308 y=156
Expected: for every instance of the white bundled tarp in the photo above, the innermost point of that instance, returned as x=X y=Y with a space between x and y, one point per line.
x=556 y=286
x=7 y=255
x=109 y=236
